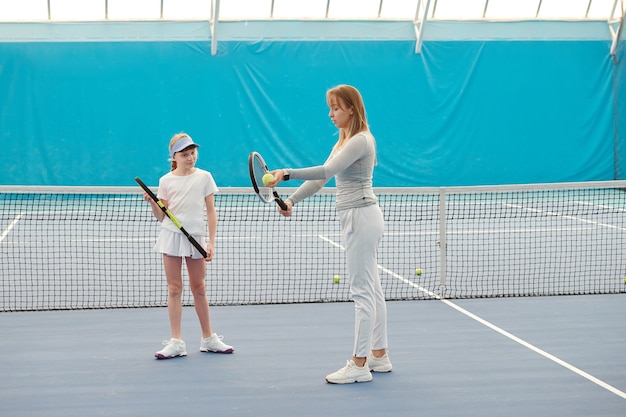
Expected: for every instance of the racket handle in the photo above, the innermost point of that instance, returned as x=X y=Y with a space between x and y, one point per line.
x=280 y=202
x=194 y=242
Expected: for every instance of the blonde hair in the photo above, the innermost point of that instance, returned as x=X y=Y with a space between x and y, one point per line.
x=348 y=97
x=175 y=139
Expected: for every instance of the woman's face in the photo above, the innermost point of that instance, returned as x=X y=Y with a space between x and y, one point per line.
x=339 y=113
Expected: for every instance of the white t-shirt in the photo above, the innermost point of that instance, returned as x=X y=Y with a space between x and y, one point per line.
x=185 y=196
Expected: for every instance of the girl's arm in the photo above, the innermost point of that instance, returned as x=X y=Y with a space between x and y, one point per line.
x=156 y=210
x=211 y=215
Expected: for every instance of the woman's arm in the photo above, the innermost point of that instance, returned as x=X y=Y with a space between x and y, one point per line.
x=353 y=150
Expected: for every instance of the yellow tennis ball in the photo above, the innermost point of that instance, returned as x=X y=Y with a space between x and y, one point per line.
x=418 y=271
x=336 y=279
x=624 y=280
x=267 y=178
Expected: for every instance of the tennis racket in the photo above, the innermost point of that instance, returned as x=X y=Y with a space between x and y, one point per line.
x=257 y=168
x=169 y=214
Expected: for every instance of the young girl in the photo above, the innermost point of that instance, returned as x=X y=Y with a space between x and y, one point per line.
x=186 y=191
x=352 y=162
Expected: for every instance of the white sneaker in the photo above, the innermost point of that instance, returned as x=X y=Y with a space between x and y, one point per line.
x=381 y=364
x=172 y=349
x=215 y=344
x=350 y=374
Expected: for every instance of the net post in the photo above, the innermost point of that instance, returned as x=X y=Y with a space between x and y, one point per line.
x=443 y=245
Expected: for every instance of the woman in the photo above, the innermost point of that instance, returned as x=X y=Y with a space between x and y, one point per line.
x=352 y=162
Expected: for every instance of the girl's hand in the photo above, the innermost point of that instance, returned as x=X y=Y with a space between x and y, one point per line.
x=209 y=253
x=149 y=199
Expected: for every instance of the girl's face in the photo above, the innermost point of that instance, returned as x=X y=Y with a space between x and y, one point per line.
x=186 y=158
x=339 y=114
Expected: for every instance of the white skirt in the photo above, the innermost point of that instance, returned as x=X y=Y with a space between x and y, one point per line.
x=176 y=244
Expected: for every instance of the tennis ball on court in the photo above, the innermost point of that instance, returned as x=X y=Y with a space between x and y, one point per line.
x=418 y=271
x=336 y=279
x=267 y=178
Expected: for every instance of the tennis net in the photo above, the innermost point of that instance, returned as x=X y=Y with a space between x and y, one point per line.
x=83 y=248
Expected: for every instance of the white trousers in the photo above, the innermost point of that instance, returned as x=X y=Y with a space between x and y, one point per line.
x=361 y=231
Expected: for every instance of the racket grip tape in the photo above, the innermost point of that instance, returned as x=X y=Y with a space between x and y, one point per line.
x=280 y=201
x=282 y=205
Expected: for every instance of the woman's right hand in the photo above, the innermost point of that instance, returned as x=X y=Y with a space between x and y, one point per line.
x=287 y=212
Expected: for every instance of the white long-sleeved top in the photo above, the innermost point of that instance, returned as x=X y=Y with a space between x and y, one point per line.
x=352 y=166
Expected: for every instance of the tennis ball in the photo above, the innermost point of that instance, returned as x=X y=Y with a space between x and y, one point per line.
x=418 y=271
x=336 y=279
x=624 y=280
x=267 y=178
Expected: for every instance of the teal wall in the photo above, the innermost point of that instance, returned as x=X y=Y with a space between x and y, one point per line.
x=463 y=112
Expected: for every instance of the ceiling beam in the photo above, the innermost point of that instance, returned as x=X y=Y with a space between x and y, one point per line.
x=616 y=24
x=421 y=17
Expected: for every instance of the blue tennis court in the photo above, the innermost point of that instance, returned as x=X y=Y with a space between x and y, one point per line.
x=558 y=356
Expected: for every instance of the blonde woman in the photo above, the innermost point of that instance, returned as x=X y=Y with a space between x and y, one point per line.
x=187 y=192
x=352 y=162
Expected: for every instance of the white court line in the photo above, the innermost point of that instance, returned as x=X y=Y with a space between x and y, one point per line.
x=94 y=240
x=492 y=326
x=585 y=203
x=6 y=231
x=609 y=226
